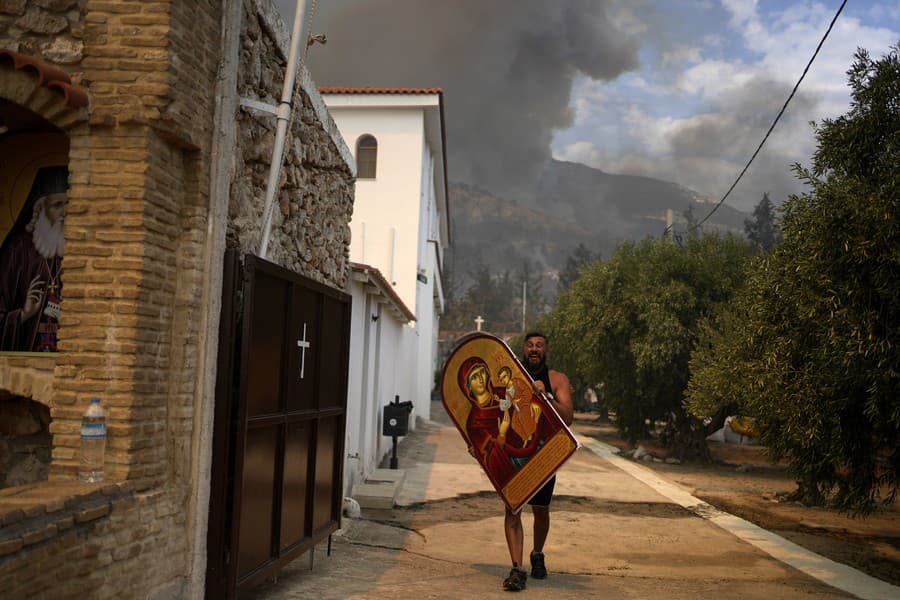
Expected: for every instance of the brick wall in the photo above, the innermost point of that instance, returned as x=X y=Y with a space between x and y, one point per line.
x=136 y=223
x=136 y=234
x=136 y=226
x=101 y=542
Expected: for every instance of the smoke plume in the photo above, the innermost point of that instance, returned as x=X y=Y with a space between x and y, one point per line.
x=506 y=67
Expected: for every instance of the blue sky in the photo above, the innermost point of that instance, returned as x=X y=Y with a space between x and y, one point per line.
x=713 y=75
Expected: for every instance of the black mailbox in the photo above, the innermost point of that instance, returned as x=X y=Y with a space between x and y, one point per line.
x=396 y=419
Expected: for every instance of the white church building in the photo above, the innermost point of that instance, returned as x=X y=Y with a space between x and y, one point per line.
x=400 y=228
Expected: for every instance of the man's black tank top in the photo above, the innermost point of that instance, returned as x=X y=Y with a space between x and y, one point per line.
x=544 y=377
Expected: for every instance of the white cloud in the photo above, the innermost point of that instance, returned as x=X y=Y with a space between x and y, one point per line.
x=625 y=15
x=711 y=79
x=707 y=150
x=696 y=116
x=786 y=38
x=649 y=133
x=635 y=82
x=741 y=11
x=712 y=40
x=681 y=54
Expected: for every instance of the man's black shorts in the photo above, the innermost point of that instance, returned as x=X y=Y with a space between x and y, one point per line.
x=542 y=498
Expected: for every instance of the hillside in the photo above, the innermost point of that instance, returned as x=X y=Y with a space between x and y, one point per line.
x=573 y=204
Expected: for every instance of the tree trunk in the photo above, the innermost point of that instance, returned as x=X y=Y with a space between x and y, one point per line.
x=717 y=421
x=686 y=437
x=807 y=493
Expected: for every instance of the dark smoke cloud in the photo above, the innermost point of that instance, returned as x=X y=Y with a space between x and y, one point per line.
x=506 y=67
x=738 y=123
x=709 y=151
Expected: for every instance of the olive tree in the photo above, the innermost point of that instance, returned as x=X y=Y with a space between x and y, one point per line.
x=811 y=346
x=630 y=322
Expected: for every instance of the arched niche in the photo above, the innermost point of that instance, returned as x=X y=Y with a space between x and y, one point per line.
x=25 y=440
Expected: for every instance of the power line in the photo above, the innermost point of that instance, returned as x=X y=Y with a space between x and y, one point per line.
x=775 y=122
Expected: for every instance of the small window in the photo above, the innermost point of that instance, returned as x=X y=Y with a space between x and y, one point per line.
x=366 y=157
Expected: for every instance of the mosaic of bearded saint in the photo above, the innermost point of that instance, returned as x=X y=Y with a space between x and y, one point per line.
x=31 y=267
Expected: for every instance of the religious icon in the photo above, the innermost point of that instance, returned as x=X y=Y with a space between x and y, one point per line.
x=514 y=433
x=31 y=267
x=526 y=414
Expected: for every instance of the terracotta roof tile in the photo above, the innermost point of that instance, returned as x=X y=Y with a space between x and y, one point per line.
x=75 y=96
x=378 y=90
x=386 y=288
x=48 y=76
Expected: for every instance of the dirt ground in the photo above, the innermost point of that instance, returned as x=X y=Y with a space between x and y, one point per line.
x=744 y=483
x=612 y=535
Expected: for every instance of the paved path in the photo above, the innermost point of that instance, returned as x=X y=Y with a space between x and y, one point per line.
x=612 y=536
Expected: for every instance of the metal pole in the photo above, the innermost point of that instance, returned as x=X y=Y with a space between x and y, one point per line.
x=394 y=438
x=298 y=45
x=524 y=302
x=394 y=453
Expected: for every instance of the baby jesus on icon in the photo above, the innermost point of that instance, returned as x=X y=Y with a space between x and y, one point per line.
x=517 y=401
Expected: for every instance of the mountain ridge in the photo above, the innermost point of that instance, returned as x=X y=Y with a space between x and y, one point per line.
x=572 y=204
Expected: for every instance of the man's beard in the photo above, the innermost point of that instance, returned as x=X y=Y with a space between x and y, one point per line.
x=48 y=237
x=533 y=368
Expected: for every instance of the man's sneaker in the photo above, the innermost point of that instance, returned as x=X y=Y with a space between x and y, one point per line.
x=538 y=570
x=516 y=580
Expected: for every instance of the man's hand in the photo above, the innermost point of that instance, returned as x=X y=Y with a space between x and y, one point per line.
x=473 y=452
x=33 y=298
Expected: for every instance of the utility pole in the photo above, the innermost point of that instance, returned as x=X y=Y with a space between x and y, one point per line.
x=524 y=302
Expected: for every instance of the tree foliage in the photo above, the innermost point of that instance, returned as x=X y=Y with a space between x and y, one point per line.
x=762 y=228
x=811 y=346
x=630 y=322
x=576 y=261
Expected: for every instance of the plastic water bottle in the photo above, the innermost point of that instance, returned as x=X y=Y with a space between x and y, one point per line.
x=93 y=443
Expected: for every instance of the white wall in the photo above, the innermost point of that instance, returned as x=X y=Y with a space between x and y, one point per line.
x=380 y=355
x=390 y=202
x=428 y=314
x=357 y=383
x=398 y=207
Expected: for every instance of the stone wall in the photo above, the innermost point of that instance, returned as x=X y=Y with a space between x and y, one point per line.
x=52 y=30
x=310 y=228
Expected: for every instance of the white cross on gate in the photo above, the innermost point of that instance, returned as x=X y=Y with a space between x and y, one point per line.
x=303 y=345
x=478 y=322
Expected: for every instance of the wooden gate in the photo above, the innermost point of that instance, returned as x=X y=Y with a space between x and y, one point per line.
x=278 y=437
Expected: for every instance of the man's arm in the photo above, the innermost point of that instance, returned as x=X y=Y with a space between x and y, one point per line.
x=562 y=396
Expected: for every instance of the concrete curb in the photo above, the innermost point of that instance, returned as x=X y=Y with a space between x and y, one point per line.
x=824 y=569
